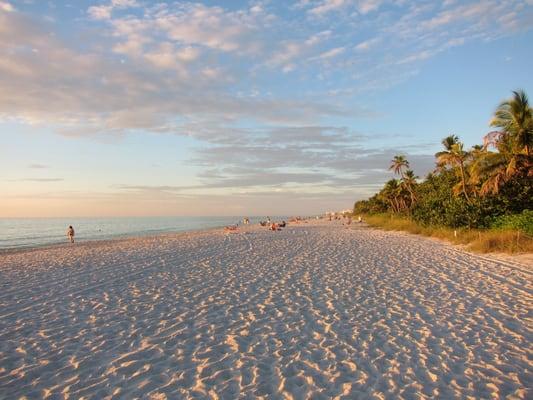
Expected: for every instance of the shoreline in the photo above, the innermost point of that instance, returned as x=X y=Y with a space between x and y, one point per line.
x=525 y=258
x=124 y=237
x=94 y=242
x=49 y=232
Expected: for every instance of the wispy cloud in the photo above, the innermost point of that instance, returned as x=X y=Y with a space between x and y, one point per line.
x=332 y=53
x=367 y=44
x=103 y=12
x=194 y=24
x=241 y=81
x=85 y=93
x=41 y=179
x=326 y=6
x=162 y=65
x=326 y=158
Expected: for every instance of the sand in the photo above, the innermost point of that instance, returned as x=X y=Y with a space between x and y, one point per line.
x=316 y=311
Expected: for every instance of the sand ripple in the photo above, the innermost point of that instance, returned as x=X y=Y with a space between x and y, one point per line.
x=312 y=312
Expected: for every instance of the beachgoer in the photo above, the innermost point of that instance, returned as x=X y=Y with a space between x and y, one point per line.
x=360 y=219
x=70 y=233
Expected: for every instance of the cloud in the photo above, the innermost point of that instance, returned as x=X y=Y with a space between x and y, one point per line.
x=327 y=6
x=38 y=166
x=366 y=6
x=238 y=79
x=155 y=203
x=155 y=188
x=90 y=93
x=410 y=32
x=332 y=53
x=100 y=12
x=288 y=54
x=41 y=179
x=166 y=67
x=194 y=24
x=367 y=44
x=103 y=12
x=167 y=56
x=423 y=55
x=124 y=3
x=6 y=7
x=313 y=157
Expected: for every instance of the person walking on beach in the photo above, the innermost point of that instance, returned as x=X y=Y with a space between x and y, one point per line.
x=70 y=234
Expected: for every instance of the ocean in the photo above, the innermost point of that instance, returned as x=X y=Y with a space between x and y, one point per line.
x=35 y=232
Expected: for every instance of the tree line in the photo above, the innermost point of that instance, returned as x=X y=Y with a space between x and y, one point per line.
x=478 y=187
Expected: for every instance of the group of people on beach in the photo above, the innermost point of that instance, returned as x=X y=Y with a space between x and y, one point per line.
x=348 y=218
x=273 y=226
x=276 y=226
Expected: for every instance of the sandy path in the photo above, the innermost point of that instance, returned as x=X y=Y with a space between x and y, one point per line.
x=314 y=311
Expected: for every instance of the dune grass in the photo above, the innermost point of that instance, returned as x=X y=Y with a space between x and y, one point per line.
x=478 y=240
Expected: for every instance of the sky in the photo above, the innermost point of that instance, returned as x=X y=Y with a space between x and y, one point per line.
x=134 y=107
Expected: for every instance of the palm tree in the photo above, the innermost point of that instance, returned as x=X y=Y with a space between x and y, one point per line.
x=515 y=119
x=476 y=153
x=449 y=141
x=492 y=171
x=398 y=164
x=409 y=181
x=513 y=142
x=389 y=194
x=455 y=156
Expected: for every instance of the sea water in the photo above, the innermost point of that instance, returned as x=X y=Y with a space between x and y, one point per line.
x=34 y=232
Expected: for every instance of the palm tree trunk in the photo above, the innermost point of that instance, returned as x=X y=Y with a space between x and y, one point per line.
x=397 y=203
x=412 y=193
x=403 y=206
x=463 y=181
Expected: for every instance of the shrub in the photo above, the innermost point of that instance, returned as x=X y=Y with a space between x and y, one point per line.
x=522 y=222
x=480 y=240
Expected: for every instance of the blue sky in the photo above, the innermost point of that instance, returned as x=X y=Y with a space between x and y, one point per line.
x=132 y=107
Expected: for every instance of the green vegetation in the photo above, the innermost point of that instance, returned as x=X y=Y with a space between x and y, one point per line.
x=482 y=196
x=519 y=222
x=508 y=240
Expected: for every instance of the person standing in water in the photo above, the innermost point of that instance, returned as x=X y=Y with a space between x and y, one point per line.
x=70 y=233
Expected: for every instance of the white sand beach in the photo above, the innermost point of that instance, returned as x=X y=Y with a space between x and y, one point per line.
x=316 y=311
